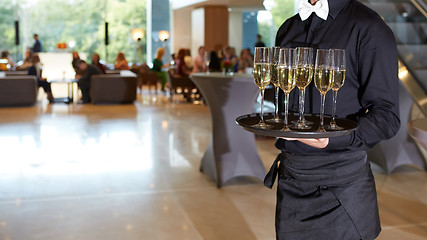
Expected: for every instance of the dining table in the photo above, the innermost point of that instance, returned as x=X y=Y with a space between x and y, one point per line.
x=232 y=151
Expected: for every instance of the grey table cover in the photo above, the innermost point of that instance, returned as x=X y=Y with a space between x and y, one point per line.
x=232 y=151
x=418 y=131
x=401 y=149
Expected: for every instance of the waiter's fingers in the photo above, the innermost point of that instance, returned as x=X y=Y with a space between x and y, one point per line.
x=289 y=139
x=314 y=142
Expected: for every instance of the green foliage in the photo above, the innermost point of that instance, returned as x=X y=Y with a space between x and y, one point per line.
x=283 y=10
x=80 y=21
x=264 y=29
x=7 y=27
x=124 y=16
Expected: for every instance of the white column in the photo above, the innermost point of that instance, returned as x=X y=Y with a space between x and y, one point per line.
x=181 y=29
x=197 y=30
x=148 y=33
x=235 y=30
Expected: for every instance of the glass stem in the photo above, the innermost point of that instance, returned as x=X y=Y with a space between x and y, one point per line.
x=262 y=105
x=286 y=109
x=334 y=106
x=301 y=105
x=322 y=110
x=277 y=103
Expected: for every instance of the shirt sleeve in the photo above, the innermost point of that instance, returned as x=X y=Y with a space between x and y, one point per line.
x=32 y=71
x=378 y=92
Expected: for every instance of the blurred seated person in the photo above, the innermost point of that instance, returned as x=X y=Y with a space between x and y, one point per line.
x=75 y=64
x=229 y=56
x=181 y=67
x=6 y=63
x=158 y=65
x=87 y=71
x=199 y=61
x=182 y=70
x=173 y=59
x=96 y=62
x=35 y=70
x=246 y=60
x=188 y=60
x=215 y=63
x=121 y=63
x=26 y=62
x=173 y=64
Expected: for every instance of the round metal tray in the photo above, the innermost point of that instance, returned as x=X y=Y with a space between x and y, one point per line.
x=249 y=122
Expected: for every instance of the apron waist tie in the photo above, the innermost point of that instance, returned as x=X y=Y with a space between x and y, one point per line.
x=270 y=178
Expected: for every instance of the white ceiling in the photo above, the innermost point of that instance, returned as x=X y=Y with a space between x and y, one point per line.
x=233 y=4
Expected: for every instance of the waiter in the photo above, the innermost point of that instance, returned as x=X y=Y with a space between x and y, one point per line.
x=326 y=189
x=37 y=46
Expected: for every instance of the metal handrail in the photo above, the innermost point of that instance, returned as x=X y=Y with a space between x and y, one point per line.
x=421 y=5
x=408 y=77
x=416 y=91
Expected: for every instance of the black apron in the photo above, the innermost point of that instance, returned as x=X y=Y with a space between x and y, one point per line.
x=325 y=197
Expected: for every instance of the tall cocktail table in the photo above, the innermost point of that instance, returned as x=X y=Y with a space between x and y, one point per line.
x=232 y=151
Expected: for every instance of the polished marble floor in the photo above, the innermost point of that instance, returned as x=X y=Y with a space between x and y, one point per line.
x=93 y=172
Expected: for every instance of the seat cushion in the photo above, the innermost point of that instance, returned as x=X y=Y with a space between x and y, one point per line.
x=113 y=89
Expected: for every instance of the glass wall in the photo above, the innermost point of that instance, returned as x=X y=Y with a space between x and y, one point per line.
x=270 y=21
x=7 y=28
x=250 y=29
x=80 y=24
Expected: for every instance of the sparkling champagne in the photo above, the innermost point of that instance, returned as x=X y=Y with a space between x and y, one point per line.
x=337 y=79
x=322 y=80
x=303 y=76
x=262 y=74
x=274 y=79
x=286 y=78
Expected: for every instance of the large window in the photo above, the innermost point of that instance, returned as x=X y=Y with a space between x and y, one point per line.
x=7 y=27
x=270 y=21
x=78 y=23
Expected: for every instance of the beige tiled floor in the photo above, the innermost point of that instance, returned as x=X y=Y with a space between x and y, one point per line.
x=132 y=172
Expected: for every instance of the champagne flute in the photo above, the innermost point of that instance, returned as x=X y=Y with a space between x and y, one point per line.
x=274 y=80
x=286 y=77
x=304 y=76
x=337 y=77
x=262 y=67
x=322 y=81
x=207 y=61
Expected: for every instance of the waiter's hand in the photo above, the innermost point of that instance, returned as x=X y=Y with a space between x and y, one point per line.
x=314 y=142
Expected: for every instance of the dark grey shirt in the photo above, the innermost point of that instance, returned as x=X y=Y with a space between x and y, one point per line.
x=37 y=46
x=84 y=81
x=370 y=92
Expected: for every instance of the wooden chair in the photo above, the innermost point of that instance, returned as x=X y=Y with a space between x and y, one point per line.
x=183 y=83
x=146 y=77
x=150 y=79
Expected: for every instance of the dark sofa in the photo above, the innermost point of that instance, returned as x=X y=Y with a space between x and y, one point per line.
x=18 y=90
x=112 y=89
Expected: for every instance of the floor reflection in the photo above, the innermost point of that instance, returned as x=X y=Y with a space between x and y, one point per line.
x=132 y=172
